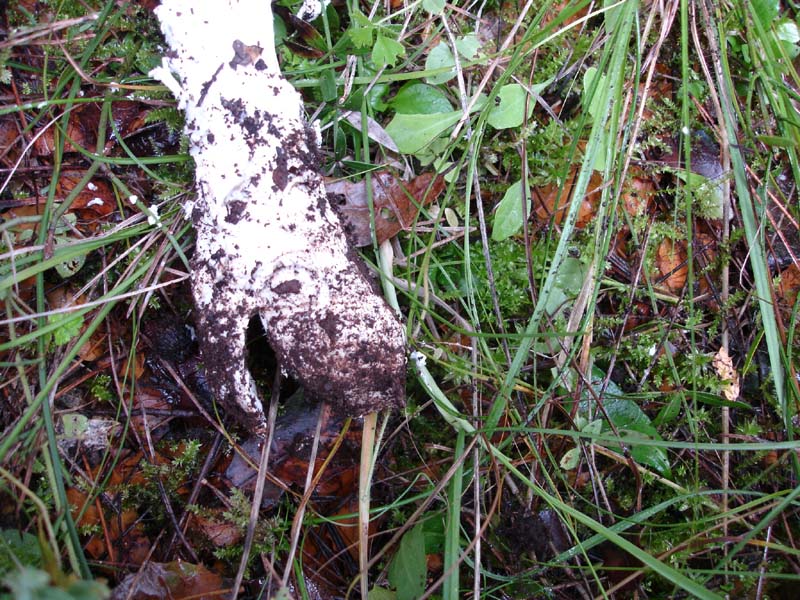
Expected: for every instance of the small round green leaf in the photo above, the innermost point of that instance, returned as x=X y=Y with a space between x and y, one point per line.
x=434 y=7
x=509 y=110
x=508 y=217
x=438 y=58
x=421 y=99
x=412 y=133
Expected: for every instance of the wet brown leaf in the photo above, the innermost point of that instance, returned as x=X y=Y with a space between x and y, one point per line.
x=220 y=532
x=9 y=140
x=670 y=265
x=81 y=132
x=120 y=536
x=396 y=204
x=550 y=203
x=789 y=285
x=95 y=200
x=176 y=580
x=638 y=194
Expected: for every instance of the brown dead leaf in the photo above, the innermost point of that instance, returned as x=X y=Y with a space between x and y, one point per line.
x=9 y=140
x=149 y=398
x=290 y=453
x=95 y=201
x=554 y=11
x=670 y=265
x=705 y=156
x=81 y=132
x=176 y=580
x=723 y=364
x=660 y=88
x=330 y=550
x=638 y=194
x=396 y=204
x=120 y=536
x=789 y=285
x=550 y=203
x=219 y=531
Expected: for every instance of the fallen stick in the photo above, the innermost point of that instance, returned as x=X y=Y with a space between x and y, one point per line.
x=268 y=242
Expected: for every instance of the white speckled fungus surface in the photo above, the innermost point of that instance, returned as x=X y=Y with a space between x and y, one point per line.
x=267 y=241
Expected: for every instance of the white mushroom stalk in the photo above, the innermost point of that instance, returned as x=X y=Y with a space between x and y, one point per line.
x=268 y=242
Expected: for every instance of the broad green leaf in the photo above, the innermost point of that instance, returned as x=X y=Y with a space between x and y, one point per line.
x=570 y=276
x=707 y=194
x=789 y=35
x=433 y=528
x=611 y=15
x=282 y=594
x=592 y=103
x=412 y=133
x=361 y=36
x=509 y=110
x=75 y=425
x=440 y=57
x=22 y=546
x=468 y=46
x=27 y=583
x=327 y=85
x=508 y=216
x=595 y=427
x=421 y=99
x=628 y=419
x=386 y=51
x=434 y=7
x=570 y=459
x=669 y=412
x=279 y=29
x=716 y=400
x=378 y=593
x=766 y=11
x=408 y=569
x=568 y=282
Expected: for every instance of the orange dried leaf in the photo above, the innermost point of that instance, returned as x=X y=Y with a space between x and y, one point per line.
x=671 y=265
x=638 y=193
x=789 y=284
x=551 y=202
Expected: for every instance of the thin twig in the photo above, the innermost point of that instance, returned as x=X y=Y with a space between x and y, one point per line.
x=258 y=494
x=297 y=522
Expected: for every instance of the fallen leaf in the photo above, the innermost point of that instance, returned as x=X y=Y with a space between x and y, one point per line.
x=723 y=364
x=789 y=285
x=396 y=204
x=176 y=580
x=670 y=265
x=638 y=193
x=220 y=532
x=81 y=132
x=551 y=201
x=96 y=200
x=290 y=453
x=374 y=130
